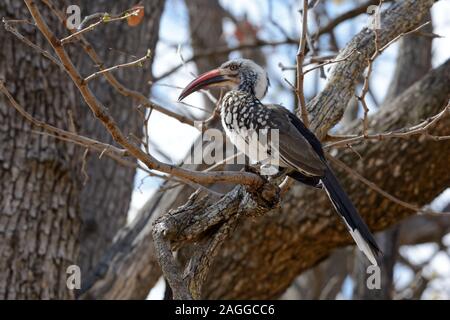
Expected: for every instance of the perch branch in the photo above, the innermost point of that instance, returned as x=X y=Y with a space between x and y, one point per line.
x=190 y=223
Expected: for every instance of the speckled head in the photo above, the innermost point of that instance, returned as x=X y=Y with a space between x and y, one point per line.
x=236 y=74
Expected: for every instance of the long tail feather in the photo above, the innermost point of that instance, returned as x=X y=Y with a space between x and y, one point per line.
x=309 y=181
x=357 y=227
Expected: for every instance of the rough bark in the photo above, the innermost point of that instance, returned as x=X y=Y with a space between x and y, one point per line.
x=48 y=182
x=39 y=213
x=106 y=196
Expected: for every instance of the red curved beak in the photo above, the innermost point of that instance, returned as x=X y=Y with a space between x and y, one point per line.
x=204 y=80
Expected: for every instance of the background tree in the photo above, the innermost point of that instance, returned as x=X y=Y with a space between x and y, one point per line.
x=40 y=217
x=57 y=188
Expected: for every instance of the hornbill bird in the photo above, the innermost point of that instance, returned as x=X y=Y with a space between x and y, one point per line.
x=299 y=151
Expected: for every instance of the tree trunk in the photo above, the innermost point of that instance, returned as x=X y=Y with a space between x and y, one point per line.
x=42 y=177
x=39 y=212
x=105 y=198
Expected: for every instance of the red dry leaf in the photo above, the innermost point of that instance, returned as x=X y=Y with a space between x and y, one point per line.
x=137 y=16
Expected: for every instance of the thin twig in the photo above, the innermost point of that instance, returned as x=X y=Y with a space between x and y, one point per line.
x=60 y=132
x=84 y=165
x=112 y=80
x=308 y=61
x=300 y=58
x=261 y=43
x=46 y=54
x=138 y=62
x=421 y=128
x=104 y=18
x=327 y=62
x=378 y=51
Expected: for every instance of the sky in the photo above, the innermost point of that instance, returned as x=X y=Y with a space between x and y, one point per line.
x=175 y=139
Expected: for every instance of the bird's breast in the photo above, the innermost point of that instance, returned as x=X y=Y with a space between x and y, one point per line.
x=246 y=125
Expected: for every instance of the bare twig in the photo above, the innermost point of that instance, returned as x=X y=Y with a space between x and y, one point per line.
x=327 y=62
x=76 y=138
x=362 y=96
x=84 y=165
x=138 y=62
x=308 y=61
x=98 y=15
x=300 y=58
x=112 y=80
x=46 y=54
x=378 y=51
x=401 y=35
x=118 y=155
x=261 y=43
x=421 y=128
x=103 y=18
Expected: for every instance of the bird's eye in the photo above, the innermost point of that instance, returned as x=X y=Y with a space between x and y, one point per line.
x=233 y=67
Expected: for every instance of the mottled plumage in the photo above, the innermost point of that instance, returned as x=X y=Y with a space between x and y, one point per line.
x=244 y=115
